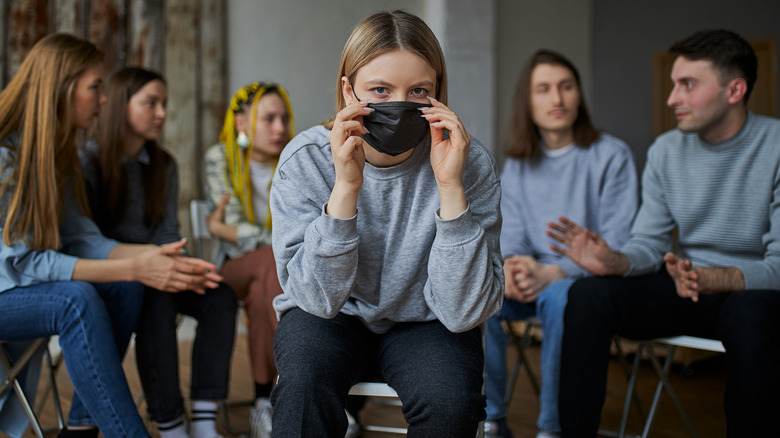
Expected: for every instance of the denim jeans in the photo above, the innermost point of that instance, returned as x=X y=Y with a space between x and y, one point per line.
x=156 y=348
x=550 y=307
x=437 y=374
x=92 y=320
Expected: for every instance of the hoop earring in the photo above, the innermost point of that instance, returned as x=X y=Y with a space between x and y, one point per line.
x=242 y=140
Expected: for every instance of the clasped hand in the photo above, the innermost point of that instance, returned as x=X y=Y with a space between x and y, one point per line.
x=526 y=278
x=165 y=268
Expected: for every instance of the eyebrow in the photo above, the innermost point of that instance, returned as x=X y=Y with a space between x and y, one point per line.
x=387 y=84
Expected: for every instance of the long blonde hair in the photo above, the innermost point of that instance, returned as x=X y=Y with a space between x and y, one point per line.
x=385 y=32
x=36 y=105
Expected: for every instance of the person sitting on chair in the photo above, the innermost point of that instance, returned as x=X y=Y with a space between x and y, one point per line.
x=557 y=164
x=716 y=180
x=60 y=275
x=258 y=125
x=132 y=188
x=386 y=240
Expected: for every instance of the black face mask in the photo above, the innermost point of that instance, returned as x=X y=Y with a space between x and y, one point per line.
x=394 y=127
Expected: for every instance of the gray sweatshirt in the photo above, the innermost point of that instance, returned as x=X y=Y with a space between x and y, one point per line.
x=725 y=199
x=395 y=260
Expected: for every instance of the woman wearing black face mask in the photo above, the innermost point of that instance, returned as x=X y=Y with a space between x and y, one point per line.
x=386 y=241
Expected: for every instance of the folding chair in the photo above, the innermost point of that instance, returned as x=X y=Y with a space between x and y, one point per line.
x=521 y=342
x=662 y=371
x=199 y=209
x=12 y=370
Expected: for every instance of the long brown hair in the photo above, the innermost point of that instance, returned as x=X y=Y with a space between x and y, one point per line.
x=113 y=129
x=524 y=135
x=385 y=32
x=36 y=104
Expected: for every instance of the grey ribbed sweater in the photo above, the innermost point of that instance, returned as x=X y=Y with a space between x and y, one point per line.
x=724 y=197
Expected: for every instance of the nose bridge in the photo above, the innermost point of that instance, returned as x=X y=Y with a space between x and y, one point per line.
x=278 y=124
x=557 y=93
x=161 y=110
x=673 y=95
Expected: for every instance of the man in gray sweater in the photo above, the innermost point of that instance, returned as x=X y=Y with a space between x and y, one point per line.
x=716 y=180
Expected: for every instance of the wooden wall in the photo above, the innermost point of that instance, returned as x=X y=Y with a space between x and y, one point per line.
x=183 y=39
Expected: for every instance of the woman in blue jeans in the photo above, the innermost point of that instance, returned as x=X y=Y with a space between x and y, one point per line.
x=59 y=275
x=557 y=165
x=129 y=173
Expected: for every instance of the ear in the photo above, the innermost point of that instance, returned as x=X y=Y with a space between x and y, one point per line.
x=241 y=122
x=346 y=91
x=735 y=90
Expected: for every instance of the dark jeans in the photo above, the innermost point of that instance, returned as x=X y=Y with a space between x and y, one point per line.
x=157 y=353
x=648 y=307
x=437 y=374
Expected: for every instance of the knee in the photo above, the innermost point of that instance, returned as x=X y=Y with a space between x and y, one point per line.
x=446 y=404
x=588 y=301
x=222 y=302
x=79 y=298
x=746 y=320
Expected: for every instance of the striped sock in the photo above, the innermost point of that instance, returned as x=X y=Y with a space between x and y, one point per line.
x=204 y=416
x=176 y=428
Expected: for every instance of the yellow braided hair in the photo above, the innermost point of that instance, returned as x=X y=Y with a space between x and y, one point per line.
x=237 y=158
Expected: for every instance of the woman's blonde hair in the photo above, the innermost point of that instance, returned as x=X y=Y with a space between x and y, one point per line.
x=385 y=32
x=36 y=105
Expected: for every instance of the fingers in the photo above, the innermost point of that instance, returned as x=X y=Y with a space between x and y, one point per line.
x=441 y=117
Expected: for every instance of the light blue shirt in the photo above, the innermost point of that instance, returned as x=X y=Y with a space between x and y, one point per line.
x=22 y=266
x=595 y=187
x=81 y=238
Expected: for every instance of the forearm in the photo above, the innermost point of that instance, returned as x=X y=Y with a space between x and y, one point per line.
x=103 y=271
x=225 y=232
x=342 y=203
x=618 y=264
x=127 y=250
x=452 y=202
x=719 y=280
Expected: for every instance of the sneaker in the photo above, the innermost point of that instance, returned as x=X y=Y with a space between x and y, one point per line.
x=260 y=418
x=353 y=429
x=497 y=429
x=546 y=434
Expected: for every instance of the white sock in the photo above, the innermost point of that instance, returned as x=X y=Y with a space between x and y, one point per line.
x=204 y=416
x=176 y=428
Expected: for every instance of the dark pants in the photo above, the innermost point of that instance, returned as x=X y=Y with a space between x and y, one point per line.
x=157 y=354
x=437 y=374
x=647 y=307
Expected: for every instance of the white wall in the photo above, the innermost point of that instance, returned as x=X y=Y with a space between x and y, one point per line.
x=298 y=45
x=524 y=26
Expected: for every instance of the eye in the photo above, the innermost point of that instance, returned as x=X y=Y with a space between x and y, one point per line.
x=379 y=90
x=419 y=92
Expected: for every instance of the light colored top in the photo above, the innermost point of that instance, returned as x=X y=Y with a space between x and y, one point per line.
x=81 y=238
x=261 y=174
x=596 y=187
x=250 y=236
x=396 y=260
x=724 y=198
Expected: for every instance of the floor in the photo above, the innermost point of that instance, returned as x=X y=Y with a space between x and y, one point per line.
x=699 y=386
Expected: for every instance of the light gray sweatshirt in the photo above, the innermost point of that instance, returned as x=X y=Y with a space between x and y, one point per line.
x=395 y=260
x=725 y=199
